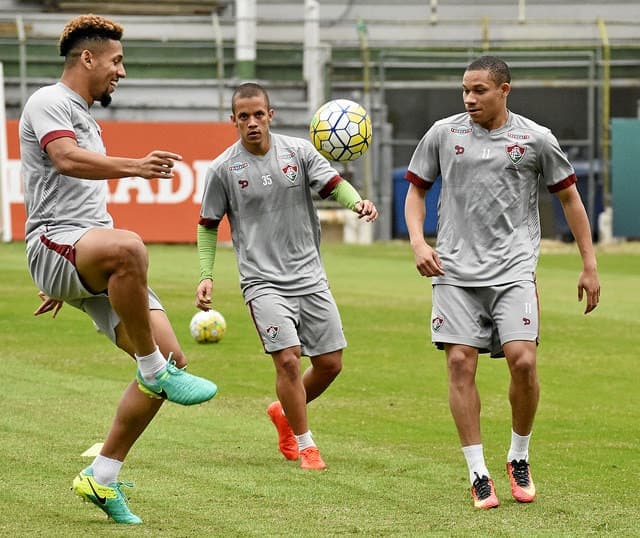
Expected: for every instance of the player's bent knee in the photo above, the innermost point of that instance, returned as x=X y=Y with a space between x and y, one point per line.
x=132 y=252
x=332 y=369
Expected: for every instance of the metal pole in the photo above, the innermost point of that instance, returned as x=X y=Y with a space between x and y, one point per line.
x=246 y=39
x=5 y=209
x=606 y=109
x=313 y=64
x=522 y=6
x=364 y=54
x=591 y=134
x=433 y=15
x=22 y=48
x=219 y=64
x=366 y=90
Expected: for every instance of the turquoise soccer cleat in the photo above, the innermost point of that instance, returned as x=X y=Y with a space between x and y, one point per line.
x=108 y=498
x=176 y=385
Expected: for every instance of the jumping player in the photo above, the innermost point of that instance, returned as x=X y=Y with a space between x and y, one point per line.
x=76 y=256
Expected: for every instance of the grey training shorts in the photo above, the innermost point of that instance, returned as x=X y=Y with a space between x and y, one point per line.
x=51 y=258
x=484 y=317
x=310 y=321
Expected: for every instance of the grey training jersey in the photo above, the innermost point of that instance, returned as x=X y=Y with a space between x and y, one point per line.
x=274 y=224
x=52 y=199
x=488 y=222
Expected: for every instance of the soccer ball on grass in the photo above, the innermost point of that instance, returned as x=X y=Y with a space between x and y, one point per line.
x=341 y=130
x=207 y=327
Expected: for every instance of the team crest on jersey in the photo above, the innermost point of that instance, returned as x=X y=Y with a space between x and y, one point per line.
x=290 y=171
x=516 y=153
x=272 y=332
x=238 y=167
x=436 y=323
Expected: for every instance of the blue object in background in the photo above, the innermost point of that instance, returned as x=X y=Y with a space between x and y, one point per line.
x=582 y=173
x=400 y=188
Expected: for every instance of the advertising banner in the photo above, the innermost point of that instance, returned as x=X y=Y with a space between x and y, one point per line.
x=159 y=210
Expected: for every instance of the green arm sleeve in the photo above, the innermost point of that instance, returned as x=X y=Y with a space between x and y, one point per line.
x=346 y=195
x=207 y=242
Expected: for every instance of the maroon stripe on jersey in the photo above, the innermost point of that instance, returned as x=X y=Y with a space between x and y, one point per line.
x=566 y=182
x=417 y=180
x=66 y=251
x=326 y=191
x=54 y=135
x=209 y=223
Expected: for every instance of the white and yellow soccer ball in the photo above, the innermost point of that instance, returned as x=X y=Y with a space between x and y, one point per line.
x=207 y=327
x=341 y=130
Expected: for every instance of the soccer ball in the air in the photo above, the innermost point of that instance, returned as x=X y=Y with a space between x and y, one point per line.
x=341 y=130
x=206 y=327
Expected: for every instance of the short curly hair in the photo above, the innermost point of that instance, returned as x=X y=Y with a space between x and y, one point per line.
x=87 y=28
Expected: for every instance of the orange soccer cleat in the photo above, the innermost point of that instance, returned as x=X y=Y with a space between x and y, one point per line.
x=310 y=459
x=484 y=493
x=286 y=440
x=523 y=489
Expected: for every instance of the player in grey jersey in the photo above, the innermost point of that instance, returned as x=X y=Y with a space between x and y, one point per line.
x=75 y=255
x=264 y=183
x=488 y=243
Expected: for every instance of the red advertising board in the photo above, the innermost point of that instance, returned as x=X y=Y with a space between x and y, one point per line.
x=159 y=210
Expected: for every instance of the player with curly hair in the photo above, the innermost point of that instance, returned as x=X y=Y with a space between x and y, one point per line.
x=76 y=256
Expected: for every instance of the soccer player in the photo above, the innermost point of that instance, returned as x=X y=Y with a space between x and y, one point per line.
x=264 y=184
x=76 y=256
x=484 y=295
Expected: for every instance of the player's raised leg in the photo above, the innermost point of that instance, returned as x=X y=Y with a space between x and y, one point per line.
x=172 y=381
x=99 y=483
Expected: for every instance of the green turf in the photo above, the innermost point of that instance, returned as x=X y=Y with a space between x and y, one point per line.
x=395 y=467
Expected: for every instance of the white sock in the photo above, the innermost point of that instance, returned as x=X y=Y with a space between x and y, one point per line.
x=475 y=462
x=105 y=470
x=519 y=449
x=150 y=365
x=305 y=440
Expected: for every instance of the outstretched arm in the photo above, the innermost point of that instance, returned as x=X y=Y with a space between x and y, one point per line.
x=72 y=160
x=348 y=197
x=579 y=225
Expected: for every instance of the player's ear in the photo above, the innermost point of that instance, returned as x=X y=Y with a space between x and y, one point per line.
x=86 y=57
x=506 y=88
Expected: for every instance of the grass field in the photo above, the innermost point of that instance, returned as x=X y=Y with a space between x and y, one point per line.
x=395 y=467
